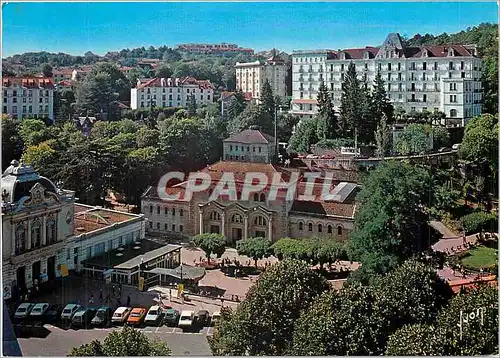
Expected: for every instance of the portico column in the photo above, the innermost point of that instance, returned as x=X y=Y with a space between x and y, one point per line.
x=201 y=222
x=28 y=236
x=44 y=231
x=223 y=229
x=245 y=233
x=270 y=229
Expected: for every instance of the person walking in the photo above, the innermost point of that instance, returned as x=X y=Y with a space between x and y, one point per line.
x=128 y=300
x=91 y=299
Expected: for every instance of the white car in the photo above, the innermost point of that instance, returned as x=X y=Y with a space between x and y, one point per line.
x=154 y=316
x=186 y=320
x=121 y=315
x=215 y=318
x=39 y=310
x=69 y=311
x=455 y=146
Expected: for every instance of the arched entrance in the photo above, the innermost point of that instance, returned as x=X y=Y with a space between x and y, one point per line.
x=236 y=227
x=21 y=277
x=51 y=268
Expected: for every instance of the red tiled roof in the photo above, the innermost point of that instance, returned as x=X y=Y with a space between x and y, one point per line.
x=65 y=83
x=306 y=101
x=322 y=208
x=156 y=82
x=240 y=169
x=456 y=285
x=225 y=95
x=62 y=71
x=357 y=53
x=28 y=82
x=440 y=51
x=89 y=218
x=250 y=136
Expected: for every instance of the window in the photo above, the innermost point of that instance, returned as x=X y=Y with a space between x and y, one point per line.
x=166 y=226
x=453 y=113
x=181 y=228
x=231 y=147
x=253 y=149
x=150 y=224
x=24 y=100
x=330 y=229
x=158 y=210
x=462 y=75
x=36 y=234
x=260 y=149
x=150 y=209
x=20 y=239
x=158 y=226
x=310 y=226
x=255 y=197
x=262 y=197
x=173 y=211
x=14 y=109
x=214 y=215
x=30 y=109
x=181 y=212
x=424 y=98
x=399 y=66
x=301 y=226
x=166 y=211
x=389 y=67
x=14 y=100
x=14 y=93
x=24 y=108
x=339 y=230
x=320 y=228
x=424 y=66
x=260 y=220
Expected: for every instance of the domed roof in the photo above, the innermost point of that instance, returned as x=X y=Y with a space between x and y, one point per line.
x=18 y=179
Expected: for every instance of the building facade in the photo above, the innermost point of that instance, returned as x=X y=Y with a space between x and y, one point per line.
x=28 y=97
x=215 y=49
x=37 y=220
x=170 y=92
x=251 y=76
x=444 y=78
x=249 y=146
x=264 y=213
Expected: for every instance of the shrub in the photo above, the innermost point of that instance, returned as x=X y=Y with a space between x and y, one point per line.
x=475 y=222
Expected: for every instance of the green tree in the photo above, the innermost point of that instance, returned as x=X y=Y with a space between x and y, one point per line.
x=440 y=137
x=263 y=323
x=383 y=138
x=254 y=247
x=380 y=104
x=46 y=69
x=94 y=95
x=267 y=100
x=42 y=157
x=326 y=120
x=252 y=116
x=192 y=106
x=147 y=137
x=390 y=220
x=211 y=244
x=124 y=342
x=119 y=83
x=350 y=110
x=305 y=135
x=171 y=55
x=163 y=71
x=11 y=141
x=413 y=140
x=286 y=124
x=237 y=106
x=33 y=131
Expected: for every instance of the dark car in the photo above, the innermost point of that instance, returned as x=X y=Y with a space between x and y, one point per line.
x=102 y=317
x=171 y=317
x=202 y=318
x=83 y=317
x=53 y=314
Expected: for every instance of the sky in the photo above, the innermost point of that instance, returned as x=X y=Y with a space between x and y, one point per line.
x=76 y=28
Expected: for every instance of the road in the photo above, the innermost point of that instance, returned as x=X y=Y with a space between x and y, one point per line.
x=59 y=341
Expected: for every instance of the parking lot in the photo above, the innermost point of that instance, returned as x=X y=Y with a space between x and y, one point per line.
x=59 y=341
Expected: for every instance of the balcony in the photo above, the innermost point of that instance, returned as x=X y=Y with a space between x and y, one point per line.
x=310 y=70
x=301 y=70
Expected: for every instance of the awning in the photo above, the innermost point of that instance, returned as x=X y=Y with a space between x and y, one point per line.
x=182 y=272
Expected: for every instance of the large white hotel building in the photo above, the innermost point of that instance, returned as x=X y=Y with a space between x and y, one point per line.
x=444 y=78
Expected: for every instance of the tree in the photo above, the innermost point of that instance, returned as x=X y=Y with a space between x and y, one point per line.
x=254 y=247
x=389 y=224
x=46 y=69
x=119 y=83
x=350 y=110
x=252 y=116
x=11 y=141
x=267 y=100
x=286 y=123
x=380 y=104
x=33 y=131
x=163 y=71
x=211 y=244
x=42 y=157
x=440 y=137
x=94 y=95
x=305 y=135
x=326 y=121
x=263 y=323
x=124 y=342
x=382 y=137
x=192 y=105
x=413 y=140
x=236 y=106
x=171 y=55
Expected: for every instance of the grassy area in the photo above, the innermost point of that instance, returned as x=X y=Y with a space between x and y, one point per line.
x=480 y=257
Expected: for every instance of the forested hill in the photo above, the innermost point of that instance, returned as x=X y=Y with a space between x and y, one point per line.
x=485 y=36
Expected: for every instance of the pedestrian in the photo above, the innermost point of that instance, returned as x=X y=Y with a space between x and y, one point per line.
x=464 y=239
x=222 y=302
x=91 y=300
x=128 y=300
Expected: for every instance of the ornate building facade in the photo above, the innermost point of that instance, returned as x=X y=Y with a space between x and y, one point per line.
x=292 y=208
x=37 y=219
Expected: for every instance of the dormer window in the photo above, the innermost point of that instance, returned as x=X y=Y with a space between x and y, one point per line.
x=424 y=53
x=366 y=55
x=342 y=55
x=451 y=52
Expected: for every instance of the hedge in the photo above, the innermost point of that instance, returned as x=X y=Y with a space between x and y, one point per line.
x=475 y=222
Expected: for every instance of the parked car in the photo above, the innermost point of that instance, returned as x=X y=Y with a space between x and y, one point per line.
x=102 y=317
x=455 y=146
x=136 y=317
x=444 y=150
x=39 y=310
x=215 y=318
x=154 y=316
x=202 y=318
x=121 y=315
x=52 y=314
x=69 y=311
x=186 y=320
x=83 y=317
x=171 y=317
x=23 y=311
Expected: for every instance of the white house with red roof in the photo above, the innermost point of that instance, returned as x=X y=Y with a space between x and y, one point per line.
x=444 y=78
x=170 y=92
x=28 y=97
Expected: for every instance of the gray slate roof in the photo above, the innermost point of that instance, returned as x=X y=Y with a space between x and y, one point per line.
x=250 y=136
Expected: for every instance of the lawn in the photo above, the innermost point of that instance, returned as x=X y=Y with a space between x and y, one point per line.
x=480 y=257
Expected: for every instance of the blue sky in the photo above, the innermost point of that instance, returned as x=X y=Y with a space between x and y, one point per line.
x=100 y=27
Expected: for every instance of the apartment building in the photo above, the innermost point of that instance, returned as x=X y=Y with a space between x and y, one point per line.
x=444 y=78
x=251 y=76
x=28 y=97
x=170 y=92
